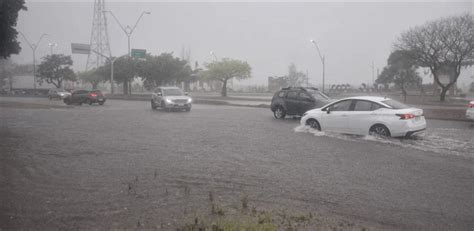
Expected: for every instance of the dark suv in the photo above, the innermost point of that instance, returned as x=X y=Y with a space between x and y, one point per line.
x=85 y=96
x=296 y=101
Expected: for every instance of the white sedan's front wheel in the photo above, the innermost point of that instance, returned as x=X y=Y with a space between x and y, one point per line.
x=314 y=124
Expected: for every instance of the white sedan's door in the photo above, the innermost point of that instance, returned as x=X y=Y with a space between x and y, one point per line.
x=362 y=117
x=336 y=117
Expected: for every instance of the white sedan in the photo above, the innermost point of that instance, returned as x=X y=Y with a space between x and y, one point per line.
x=367 y=115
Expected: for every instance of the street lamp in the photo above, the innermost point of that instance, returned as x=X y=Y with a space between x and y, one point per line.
x=112 y=61
x=51 y=45
x=33 y=47
x=127 y=30
x=373 y=72
x=323 y=61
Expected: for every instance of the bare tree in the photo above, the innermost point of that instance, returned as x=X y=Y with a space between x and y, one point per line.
x=441 y=45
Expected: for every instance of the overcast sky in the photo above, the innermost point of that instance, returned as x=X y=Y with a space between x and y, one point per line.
x=269 y=36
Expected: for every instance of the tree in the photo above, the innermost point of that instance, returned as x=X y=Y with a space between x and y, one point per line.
x=445 y=46
x=295 y=77
x=400 y=70
x=227 y=69
x=92 y=77
x=9 y=69
x=8 y=35
x=163 y=69
x=125 y=69
x=6 y=72
x=55 y=69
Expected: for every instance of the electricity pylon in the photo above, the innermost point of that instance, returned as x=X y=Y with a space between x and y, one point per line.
x=99 y=37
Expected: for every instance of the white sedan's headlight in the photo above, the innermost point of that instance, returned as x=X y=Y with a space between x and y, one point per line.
x=190 y=100
x=168 y=101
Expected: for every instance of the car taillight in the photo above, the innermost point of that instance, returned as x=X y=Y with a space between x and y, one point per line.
x=93 y=94
x=471 y=105
x=406 y=116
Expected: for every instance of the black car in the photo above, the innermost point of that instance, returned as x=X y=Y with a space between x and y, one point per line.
x=85 y=96
x=297 y=100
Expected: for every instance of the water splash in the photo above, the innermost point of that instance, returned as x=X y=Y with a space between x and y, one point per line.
x=307 y=129
x=440 y=141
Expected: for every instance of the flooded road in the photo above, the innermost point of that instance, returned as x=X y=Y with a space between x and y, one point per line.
x=123 y=165
x=457 y=139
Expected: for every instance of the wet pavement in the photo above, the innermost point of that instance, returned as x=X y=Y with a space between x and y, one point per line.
x=123 y=165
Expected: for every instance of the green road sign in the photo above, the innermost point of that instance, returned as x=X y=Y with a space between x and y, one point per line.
x=138 y=53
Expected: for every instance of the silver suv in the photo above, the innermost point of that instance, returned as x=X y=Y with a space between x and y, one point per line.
x=169 y=98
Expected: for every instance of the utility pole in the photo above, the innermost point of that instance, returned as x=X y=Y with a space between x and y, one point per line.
x=323 y=60
x=373 y=78
x=33 y=47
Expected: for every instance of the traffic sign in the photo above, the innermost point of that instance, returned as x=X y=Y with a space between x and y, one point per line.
x=78 y=48
x=138 y=53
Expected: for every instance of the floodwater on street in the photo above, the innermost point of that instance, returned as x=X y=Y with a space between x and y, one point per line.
x=445 y=141
x=123 y=165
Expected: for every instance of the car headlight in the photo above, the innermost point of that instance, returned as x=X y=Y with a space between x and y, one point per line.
x=168 y=101
x=190 y=100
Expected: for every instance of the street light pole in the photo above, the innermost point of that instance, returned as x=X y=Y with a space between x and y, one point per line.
x=323 y=60
x=128 y=32
x=373 y=73
x=112 y=75
x=33 y=47
x=112 y=61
